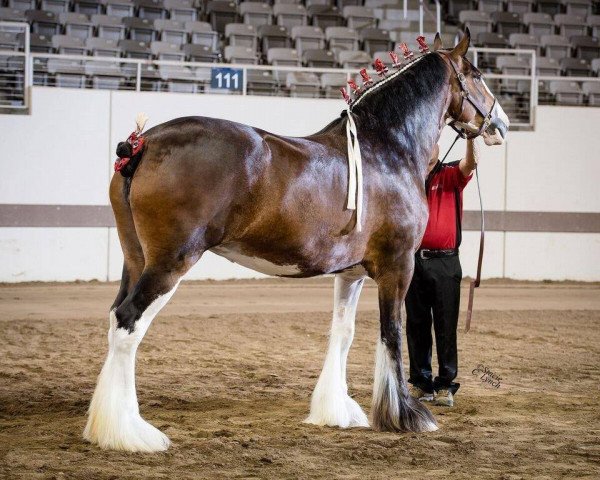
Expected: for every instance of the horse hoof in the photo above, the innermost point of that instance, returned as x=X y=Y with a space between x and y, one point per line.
x=132 y=434
x=344 y=412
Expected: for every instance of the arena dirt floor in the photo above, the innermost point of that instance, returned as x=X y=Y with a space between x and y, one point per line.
x=227 y=369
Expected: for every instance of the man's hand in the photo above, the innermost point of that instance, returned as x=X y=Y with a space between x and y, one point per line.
x=468 y=164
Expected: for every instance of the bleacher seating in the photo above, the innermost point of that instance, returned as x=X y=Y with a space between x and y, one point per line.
x=312 y=33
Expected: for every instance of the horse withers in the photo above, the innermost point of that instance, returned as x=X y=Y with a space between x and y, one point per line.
x=278 y=205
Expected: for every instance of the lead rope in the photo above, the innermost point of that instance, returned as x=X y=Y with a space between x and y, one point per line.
x=355 y=180
x=474 y=283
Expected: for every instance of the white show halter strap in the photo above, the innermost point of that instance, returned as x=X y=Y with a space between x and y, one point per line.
x=355 y=181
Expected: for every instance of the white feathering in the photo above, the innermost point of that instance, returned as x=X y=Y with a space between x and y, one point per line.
x=140 y=122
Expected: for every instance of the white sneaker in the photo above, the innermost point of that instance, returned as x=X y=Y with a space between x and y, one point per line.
x=420 y=394
x=444 y=398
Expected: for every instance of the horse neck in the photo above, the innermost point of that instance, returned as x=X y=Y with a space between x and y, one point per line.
x=407 y=115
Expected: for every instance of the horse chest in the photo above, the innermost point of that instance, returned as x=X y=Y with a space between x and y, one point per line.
x=233 y=254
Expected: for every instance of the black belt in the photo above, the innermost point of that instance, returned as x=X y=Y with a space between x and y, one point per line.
x=426 y=254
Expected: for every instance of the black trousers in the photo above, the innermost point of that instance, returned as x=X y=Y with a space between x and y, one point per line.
x=433 y=297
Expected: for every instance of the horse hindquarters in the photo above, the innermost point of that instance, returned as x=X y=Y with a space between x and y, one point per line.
x=393 y=408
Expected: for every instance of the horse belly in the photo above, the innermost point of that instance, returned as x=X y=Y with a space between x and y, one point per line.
x=256 y=263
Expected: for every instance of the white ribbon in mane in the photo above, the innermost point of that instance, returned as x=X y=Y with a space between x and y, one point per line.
x=355 y=181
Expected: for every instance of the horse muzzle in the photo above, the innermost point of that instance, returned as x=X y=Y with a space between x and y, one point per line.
x=496 y=132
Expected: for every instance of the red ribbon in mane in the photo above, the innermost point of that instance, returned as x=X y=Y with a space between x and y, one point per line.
x=137 y=142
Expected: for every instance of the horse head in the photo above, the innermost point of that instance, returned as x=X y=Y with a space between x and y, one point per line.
x=472 y=110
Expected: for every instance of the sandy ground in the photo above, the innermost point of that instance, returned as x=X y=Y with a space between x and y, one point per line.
x=227 y=369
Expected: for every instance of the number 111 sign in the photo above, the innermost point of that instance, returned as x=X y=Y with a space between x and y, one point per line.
x=227 y=78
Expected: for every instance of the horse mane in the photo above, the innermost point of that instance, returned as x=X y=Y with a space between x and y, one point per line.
x=405 y=91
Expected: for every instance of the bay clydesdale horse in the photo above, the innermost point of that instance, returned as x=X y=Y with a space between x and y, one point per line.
x=277 y=205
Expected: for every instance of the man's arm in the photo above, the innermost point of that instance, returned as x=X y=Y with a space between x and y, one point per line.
x=468 y=164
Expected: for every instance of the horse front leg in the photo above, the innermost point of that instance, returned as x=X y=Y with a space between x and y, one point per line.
x=330 y=404
x=393 y=408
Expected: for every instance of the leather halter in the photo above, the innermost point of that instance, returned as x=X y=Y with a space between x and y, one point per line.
x=465 y=95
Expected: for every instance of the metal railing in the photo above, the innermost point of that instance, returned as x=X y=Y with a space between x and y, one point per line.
x=14 y=68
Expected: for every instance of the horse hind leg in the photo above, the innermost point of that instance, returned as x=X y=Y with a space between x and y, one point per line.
x=330 y=404
x=114 y=421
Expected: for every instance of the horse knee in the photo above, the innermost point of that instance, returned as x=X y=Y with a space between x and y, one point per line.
x=127 y=314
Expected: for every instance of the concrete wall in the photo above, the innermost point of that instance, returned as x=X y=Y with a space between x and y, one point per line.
x=62 y=154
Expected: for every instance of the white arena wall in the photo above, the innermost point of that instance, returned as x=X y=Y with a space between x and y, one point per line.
x=63 y=153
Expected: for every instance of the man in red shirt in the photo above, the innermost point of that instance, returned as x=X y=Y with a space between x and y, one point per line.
x=434 y=293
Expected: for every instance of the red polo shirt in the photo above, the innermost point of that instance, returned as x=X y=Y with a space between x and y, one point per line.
x=448 y=181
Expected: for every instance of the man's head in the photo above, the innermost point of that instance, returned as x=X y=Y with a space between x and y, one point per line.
x=435 y=155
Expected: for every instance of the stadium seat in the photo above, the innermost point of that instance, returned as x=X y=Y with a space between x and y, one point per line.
x=103 y=47
x=56 y=6
x=290 y=15
x=201 y=33
x=241 y=35
x=43 y=22
x=88 y=7
x=308 y=38
x=477 y=22
x=525 y=41
x=178 y=79
x=551 y=7
x=492 y=40
x=167 y=51
x=555 y=46
x=507 y=23
x=119 y=8
x=570 y=25
x=596 y=66
x=303 y=84
x=575 y=67
x=586 y=47
x=256 y=14
x=358 y=17
x=261 y=82
x=65 y=45
x=325 y=16
x=351 y=59
x=38 y=43
x=592 y=92
x=135 y=49
x=171 y=31
x=547 y=66
x=150 y=9
x=539 y=23
x=140 y=29
x=68 y=73
x=490 y=6
x=220 y=13
x=245 y=55
x=283 y=56
x=566 y=93
x=520 y=6
x=331 y=84
x=273 y=36
x=76 y=24
x=457 y=6
x=22 y=5
x=200 y=53
x=104 y=75
x=394 y=25
x=341 y=38
x=12 y=15
x=181 y=10
x=512 y=65
x=9 y=41
x=583 y=8
x=109 y=26
x=593 y=22
x=318 y=58
x=375 y=39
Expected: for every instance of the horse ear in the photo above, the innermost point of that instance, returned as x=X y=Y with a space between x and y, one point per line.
x=437 y=42
x=461 y=49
